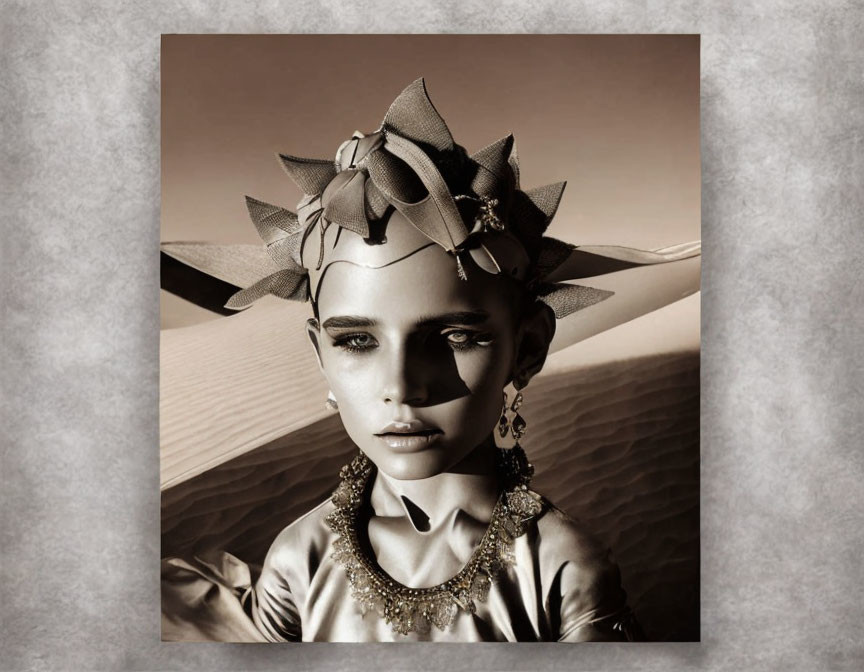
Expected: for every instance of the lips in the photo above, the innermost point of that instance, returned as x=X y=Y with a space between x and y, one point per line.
x=409 y=436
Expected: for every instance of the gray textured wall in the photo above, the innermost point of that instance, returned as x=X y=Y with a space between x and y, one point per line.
x=782 y=515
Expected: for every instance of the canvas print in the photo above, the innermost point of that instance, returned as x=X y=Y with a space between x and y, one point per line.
x=430 y=338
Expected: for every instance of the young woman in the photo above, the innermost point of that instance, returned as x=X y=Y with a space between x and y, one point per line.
x=434 y=293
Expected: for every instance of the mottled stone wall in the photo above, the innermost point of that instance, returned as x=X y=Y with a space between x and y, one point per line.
x=781 y=402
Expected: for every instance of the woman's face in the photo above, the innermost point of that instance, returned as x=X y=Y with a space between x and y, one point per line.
x=416 y=358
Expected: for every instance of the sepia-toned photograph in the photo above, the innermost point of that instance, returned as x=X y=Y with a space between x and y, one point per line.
x=430 y=336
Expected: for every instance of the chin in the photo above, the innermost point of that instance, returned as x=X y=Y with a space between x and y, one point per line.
x=410 y=466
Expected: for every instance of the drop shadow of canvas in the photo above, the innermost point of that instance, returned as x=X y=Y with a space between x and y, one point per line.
x=616 y=446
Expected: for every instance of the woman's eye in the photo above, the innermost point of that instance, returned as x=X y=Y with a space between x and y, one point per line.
x=460 y=339
x=355 y=342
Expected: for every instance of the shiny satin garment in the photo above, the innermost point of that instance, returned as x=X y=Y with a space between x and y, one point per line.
x=563 y=586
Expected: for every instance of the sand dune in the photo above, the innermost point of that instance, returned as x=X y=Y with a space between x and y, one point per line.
x=247 y=445
x=615 y=445
x=234 y=384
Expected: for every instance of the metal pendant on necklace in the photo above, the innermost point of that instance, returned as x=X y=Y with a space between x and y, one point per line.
x=419 y=609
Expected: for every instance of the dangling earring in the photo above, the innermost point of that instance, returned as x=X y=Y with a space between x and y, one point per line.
x=331 y=402
x=518 y=426
x=504 y=422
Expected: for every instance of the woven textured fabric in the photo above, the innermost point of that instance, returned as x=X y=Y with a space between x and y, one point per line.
x=278 y=228
x=311 y=175
x=284 y=284
x=514 y=163
x=413 y=116
x=346 y=203
x=527 y=221
x=286 y=252
x=465 y=204
x=552 y=254
x=495 y=171
x=375 y=203
x=394 y=178
x=565 y=299
x=442 y=223
x=271 y=221
x=547 y=198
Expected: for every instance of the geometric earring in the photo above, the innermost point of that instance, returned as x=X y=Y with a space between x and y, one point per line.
x=518 y=426
x=504 y=422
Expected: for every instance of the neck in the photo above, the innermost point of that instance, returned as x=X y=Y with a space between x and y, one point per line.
x=471 y=486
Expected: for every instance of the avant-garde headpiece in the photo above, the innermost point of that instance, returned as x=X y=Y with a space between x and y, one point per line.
x=410 y=173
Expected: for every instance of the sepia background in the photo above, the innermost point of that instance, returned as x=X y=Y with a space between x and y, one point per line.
x=617 y=117
x=246 y=444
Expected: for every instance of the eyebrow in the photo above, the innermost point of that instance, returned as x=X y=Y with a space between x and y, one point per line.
x=347 y=322
x=468 y=317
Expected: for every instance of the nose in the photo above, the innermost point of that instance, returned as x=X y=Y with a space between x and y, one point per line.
x=405 y=378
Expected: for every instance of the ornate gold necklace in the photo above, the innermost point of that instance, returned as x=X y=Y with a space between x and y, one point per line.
x=416 y=609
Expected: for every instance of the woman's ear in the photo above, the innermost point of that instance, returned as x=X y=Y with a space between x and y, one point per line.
x=536 y=332
x=313 y=331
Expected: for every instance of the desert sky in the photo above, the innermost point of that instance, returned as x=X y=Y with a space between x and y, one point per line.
x=616 y=117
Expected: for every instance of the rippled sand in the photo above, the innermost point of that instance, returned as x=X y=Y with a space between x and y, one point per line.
x=615 y=445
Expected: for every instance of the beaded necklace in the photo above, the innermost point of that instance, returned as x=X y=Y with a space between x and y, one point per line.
x=417 y=609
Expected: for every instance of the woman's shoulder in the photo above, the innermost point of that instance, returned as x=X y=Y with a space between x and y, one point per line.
x=565 y=541
x=583 y=581
x=307 y=537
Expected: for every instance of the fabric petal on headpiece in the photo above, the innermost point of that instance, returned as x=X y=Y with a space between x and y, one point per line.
x=271 y=221
x=394 y=179
x=412 y=115
x=375 y=202
x=483 y=257
x=527 y=222
x=279 y=228
x=436 y=215
x=513 y=160
x=346 y=206
x=566 y=299
x=195 y=285
x=287 y=284
x=494 y=166
x=635 y=256
x=592 y=260
x=286 y=252
x=552 y=254
x=500 y=253
x=311 y=175
x=531 y=211
x=547 y=198
x=239 y=265
x=353 y=152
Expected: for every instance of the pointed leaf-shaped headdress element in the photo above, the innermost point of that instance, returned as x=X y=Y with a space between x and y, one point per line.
x=279 y=228
x=436 y=214
x=345 y=202
x=565 y=299
x=286 y=284
x=311 y=175
x=547 y=199
x=471 y=206
x=494 y=172
x=413 y=117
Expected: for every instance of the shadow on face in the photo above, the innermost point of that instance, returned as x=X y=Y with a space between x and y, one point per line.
x=412 y=343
